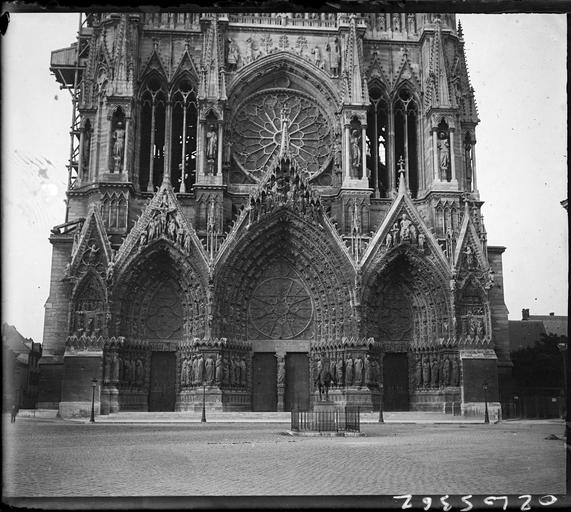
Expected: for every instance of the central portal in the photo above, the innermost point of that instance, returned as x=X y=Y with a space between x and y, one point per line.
x=162 y=395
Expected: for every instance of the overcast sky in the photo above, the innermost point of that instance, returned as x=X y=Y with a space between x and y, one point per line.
x=517 y=68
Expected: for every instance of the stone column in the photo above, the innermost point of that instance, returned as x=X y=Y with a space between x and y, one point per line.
x=452 y=158
x=168 y=137
x=218 y=170
x=281 y=378
x=435 y=154
x=391 y=151
x=126 y=146
x=474 y=182
x=152 y=152
x=347 y=173
x=364 y=152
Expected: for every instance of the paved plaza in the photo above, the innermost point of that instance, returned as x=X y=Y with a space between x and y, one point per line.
x=50 y=457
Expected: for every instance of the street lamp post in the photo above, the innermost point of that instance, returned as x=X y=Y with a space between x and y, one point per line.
x=381 y=419
x=486 y=414
x=563 y=349
x=93 y=385
x=203 y=420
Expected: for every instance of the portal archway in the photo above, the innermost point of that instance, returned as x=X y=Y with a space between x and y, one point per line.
x=407 y=308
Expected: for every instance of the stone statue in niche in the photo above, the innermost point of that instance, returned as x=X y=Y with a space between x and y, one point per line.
x=194 y=370
x=434 y=372
x=243 y=373
x=443 y=155
x=183 y=372
x=455 y=373
x=118 y=147
x=233 y=55
x=396 y=22
x=317 y=59
x=219 y=370
x=405 y=224
x=115 y=366
x=209 y=366
x=418 y=371
x=421 y=241
x=389 y=240
x=339 y=371
x=349 y=371
x=211 y=143
x=368 y=369
x=358 y=371
x=410 y=19
x=140 y=370
x=334 y=57
x=281 y=371
x=394 y=232
x=171 y=229
x=355 y=153
x=107 y=367
x=446 y=371
x=426 y=371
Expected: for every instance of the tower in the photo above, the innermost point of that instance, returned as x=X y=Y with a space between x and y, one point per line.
x=255 y=196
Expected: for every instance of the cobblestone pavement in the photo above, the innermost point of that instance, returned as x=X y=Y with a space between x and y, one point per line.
x=56 y=458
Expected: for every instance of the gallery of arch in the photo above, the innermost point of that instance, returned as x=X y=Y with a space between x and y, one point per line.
x=254 y=196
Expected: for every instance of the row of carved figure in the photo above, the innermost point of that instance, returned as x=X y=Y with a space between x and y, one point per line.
x=349 y=371
x=404 y=231
x=436 y=370
x=297 y=196
x=326 y=57
x=223 y=371
x=165 y=224
x=126 y=369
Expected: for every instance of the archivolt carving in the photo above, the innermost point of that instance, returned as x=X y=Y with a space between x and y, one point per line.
x=406 y=300
x=283 y=238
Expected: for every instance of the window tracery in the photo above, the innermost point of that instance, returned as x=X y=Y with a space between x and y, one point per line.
x=377 y=142
x=406 y=136
x=257 y=131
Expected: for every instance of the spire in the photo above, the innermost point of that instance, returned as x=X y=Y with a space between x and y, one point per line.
x=459 y=31
x=356 y=92
x=211 y=60
x=402 y=180
x=438 y=73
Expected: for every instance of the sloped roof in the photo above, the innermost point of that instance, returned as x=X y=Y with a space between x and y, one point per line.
x=14 y=341
x=524 y=333
x=553 y=324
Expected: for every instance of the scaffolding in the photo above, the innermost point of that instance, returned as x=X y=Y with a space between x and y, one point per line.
x=68 y=65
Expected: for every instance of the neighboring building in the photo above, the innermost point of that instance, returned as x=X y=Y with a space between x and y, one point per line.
x=20 y=369
x=526 y=332
x=256 y=197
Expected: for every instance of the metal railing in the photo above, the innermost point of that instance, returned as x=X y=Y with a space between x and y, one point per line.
x=343 y=420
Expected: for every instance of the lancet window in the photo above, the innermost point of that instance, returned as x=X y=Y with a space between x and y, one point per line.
x=406 y=137
x=183 y=137
x=377 y=142
x=114 y=211
x=152 y=135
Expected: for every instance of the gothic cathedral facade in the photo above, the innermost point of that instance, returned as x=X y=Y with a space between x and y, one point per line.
x=256 y=197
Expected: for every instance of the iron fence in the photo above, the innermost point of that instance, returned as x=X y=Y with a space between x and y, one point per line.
x=340 y=420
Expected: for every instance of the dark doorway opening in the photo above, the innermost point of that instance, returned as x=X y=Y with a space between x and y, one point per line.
x=395 y=382
x=264 y=382
x=297 y=382
x=162 y=395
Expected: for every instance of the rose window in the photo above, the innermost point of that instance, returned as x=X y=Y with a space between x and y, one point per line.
x=258 y=129
x=281 y=308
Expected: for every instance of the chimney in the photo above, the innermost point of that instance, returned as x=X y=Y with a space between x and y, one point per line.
x=551 y=314
x=525 y=314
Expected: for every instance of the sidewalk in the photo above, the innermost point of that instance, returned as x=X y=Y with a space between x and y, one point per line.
x=409 y=417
